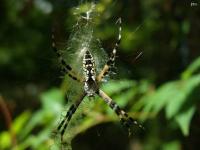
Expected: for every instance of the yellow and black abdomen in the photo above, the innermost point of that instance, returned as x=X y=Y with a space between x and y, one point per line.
x=90 y=85
x=89 y=66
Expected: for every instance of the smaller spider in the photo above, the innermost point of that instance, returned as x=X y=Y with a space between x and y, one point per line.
x=91 y=81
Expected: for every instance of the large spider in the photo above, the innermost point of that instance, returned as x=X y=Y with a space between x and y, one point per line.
x=90 y=80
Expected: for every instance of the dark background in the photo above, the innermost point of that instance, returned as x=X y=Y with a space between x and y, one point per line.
x=160 y=88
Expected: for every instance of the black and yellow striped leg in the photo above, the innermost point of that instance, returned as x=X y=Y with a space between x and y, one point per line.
x=64 y=123
x=111 y=61
x=64 y=66
x=126 y=120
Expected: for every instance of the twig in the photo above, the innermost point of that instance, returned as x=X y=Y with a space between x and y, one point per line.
x=8 y=120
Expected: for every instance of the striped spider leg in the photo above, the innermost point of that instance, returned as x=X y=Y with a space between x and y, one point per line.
x=65 y=68
x=111 y=61
x=91 y=88
x=90 y=81
x=72 y=109
x=68 y=70
x=124 y=117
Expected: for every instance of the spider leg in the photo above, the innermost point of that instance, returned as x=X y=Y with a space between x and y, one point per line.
x=125 y=119
x=64 y=123
x=64 y=66
x=111 y=60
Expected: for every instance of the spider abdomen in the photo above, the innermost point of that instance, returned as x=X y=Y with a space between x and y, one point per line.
x=88 y=66
x=90 y=85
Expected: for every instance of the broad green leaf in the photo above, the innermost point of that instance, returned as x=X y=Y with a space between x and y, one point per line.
x=184 y=118
x=183 y=89
x=19 y=123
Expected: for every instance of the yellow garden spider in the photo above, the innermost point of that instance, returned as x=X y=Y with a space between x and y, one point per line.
x=90 y=76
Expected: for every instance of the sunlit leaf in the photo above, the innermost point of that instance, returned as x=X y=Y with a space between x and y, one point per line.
x=184 y=119
x=5 y=140
x=19 y=123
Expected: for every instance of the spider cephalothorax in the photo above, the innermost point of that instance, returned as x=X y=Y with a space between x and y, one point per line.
x=91 y=70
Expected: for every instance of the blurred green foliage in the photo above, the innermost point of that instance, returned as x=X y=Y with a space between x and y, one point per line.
x=160 y=89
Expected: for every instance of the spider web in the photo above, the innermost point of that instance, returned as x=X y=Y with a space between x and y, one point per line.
x=82 y=38
x=73 y=127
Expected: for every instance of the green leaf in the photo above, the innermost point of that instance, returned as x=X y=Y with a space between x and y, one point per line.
x=163 y=95
x=123 y=99
x=183 y=90
x=52 y=100
x=36 y=119
x=157 y=100
x=174 y=145
x=116 y=86
x=20 y=121
x=191 y=69
x=5 y=140
x=184 y=119
x=175 y=101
